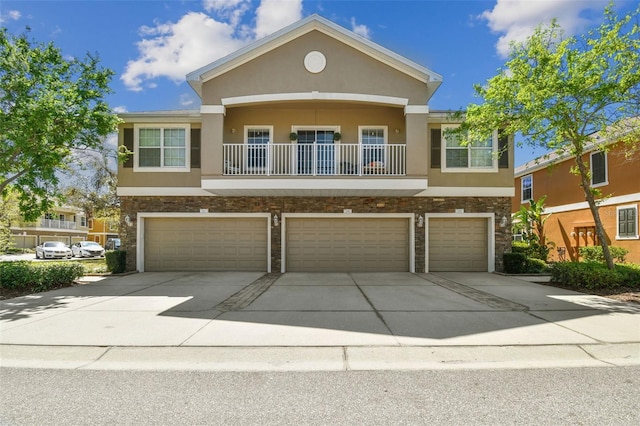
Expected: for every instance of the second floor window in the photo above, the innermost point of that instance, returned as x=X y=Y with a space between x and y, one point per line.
x=598 y=168
x=526 y=188
x=471 y=157
x=161 y=148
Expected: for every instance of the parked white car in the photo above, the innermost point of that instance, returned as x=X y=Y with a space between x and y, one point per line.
x=87 y=249
x=53 y=250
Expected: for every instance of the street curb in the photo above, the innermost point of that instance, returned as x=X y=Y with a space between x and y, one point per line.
x=335 y=358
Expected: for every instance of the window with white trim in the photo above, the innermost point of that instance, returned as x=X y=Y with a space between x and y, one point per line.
x=598 y=165
x=163 y=148
x=627 y=222
x=257 y=139
x=373 y=140
x=475 y=156
x=526 y=188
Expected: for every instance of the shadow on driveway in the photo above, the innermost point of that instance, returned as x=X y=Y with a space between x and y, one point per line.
x=314 y=309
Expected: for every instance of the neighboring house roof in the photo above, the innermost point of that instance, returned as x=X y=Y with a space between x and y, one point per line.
x=554 y=157
x=304 y=26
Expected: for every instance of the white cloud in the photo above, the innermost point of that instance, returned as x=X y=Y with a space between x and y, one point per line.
x=360 y=29
x=231 y=10
x=186 y=99
x=119 y=109
x=173 y=49
x=12 y=15
x=517 y=19
x=273 y=15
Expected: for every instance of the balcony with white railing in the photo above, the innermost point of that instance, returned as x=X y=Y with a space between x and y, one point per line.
x=314 y=169
x=314 y=159
x=58 y=224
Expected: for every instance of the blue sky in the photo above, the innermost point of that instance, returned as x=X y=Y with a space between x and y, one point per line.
x=152 y=44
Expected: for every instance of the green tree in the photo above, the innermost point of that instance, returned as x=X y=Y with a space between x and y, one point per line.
x=93 y=187
x=50 y=107
x=568 y=95
x=531 y=220
x=9 y=215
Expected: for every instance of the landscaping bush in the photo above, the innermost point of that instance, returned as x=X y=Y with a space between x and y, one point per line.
x=38 y=276
x=520 y=247
x=592 y=275
x=594 y=253
x=536 y=266
x=515 y=263
x=116 y=261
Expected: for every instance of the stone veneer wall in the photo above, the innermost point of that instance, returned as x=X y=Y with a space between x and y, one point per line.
x=501 y=206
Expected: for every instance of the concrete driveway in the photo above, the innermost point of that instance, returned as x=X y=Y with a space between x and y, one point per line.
x=377 y=318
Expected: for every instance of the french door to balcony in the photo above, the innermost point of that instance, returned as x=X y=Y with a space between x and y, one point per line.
x=316 y=152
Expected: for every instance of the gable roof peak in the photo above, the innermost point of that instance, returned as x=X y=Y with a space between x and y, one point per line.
x=299 y=28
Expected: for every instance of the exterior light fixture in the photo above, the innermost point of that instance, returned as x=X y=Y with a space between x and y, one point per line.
x=127 y=220
x=503 y=222
x=276 y=220
x=420 y=221
x=581 y=234
x=233 y=130
x=573 y=234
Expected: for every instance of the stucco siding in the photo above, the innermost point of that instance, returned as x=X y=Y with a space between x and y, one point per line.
x=282 y=71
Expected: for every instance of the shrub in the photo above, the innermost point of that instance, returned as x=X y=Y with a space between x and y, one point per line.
x=38 y=276
x=536 y=266
x=515 y=263
x=116 y=261
x=592 y=275
x=520 y=247
x=595 y=254
x=630 y=274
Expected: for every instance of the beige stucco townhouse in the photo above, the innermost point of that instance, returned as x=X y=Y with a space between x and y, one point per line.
x=314 y=150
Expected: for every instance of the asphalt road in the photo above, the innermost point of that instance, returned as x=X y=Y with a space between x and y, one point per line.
x=585 y=396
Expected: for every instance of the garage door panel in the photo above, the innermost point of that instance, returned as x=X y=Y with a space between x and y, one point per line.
x=205 y=244
x=457 y=244
x=344 y=244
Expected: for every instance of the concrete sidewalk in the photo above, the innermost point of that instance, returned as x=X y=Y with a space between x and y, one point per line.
x=360 y=321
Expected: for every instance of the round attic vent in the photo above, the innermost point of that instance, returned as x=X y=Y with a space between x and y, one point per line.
x=315 y=62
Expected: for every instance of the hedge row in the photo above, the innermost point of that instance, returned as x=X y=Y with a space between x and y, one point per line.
x=592 y=275
x=519 y=263
x=595 y=253
x=116 y=261
x=38 y=276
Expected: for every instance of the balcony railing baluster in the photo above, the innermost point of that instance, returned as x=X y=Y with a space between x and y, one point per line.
x=290 y=159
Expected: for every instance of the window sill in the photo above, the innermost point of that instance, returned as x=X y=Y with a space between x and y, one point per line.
x=162 y=169
x=469 y=170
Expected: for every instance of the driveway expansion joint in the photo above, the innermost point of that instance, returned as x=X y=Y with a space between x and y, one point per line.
x=480 y=296
x=245 y=297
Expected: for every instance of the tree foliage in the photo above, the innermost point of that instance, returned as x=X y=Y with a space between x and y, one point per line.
x=9 y=216
x=531 y=222
x=568 y=95
x=50 y=106
x=93 y=187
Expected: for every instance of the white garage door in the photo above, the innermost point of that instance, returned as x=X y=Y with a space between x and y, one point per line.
x=347 y=244
x=205 y=244
x=458 y=244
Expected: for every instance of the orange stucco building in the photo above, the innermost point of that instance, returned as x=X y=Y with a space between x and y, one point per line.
x=571 y=224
